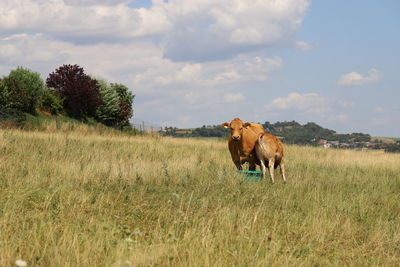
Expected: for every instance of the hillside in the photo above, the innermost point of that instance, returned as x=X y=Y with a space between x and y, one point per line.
x=60 y=123
x=82 y=198
x=292 y=132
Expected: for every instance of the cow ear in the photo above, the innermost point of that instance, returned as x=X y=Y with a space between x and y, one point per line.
x=225 y=125
x=247 y=125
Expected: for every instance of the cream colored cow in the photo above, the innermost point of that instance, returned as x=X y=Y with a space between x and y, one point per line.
x=269 y=151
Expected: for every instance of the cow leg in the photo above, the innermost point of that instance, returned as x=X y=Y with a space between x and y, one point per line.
x=252 y=166
x=263 y=168
x=282 y=169
x=271 y=163
x=238 y=165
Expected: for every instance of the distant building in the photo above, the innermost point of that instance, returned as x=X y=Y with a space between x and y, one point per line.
x=345 y=145
x=322 y=142
x=334 y=143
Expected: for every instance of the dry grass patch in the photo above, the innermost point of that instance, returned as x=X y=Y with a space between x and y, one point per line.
x=110 y=200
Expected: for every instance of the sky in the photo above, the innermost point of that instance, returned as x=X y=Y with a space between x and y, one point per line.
x=201 y=62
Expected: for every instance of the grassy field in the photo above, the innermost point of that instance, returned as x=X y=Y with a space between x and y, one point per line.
x=79 y=198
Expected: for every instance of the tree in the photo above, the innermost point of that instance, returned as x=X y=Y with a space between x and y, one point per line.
x=269 y=127
x=360 y=137
x=80 y=92
x=21 y=90
x=108 y=111
x=125 y=104
x=51 y=102
x=3 y=94
x=394 y=148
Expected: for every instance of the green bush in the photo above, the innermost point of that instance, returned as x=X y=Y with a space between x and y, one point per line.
x=116 y=107
x=3 y=94
x=52 y=102
x=11 y=118
x=22 y=90
x=107 y=112
x=393 y=148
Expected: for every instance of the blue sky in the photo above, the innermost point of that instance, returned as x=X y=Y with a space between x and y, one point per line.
x=191 y=63
x=140 y=4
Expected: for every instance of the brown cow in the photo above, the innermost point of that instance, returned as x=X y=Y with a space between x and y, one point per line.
x=269 y=152
x=242 y=140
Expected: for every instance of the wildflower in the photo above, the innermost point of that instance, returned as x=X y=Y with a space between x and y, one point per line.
x=20 y=263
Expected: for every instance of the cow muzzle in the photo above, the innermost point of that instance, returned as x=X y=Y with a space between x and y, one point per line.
x=235 y=137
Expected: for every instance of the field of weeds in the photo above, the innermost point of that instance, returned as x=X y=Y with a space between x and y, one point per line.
x=73 y=199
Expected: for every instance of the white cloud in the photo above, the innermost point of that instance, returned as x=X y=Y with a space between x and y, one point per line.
x=307 y=107
x=233 y=97
x=354 y=78
x=87 y=23
x=308 y=103
x=184 y=74
x=96 y=2
x=305 y=46
x=185 y=29
x=207 y=75
x=379 y=110
x=112 y=61
x=218 y=29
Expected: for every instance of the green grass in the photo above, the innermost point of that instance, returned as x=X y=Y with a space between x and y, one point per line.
x=78 y=198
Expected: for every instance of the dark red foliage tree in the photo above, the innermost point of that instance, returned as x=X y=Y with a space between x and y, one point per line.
x=79 y=91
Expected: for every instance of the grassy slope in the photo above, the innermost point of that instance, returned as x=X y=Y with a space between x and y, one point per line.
x=388 y=140
x=64 y=124
x=80 y=199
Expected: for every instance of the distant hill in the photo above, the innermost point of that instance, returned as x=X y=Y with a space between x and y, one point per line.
x=292 y=132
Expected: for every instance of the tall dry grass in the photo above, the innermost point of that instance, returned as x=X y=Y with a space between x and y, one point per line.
x=86 y=199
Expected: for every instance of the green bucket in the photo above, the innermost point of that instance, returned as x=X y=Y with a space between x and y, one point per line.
x=252 y=175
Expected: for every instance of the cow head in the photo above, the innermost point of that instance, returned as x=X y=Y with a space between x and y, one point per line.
x=236 y=126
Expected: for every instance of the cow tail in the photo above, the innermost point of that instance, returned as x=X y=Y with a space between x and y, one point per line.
x=261 y=143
